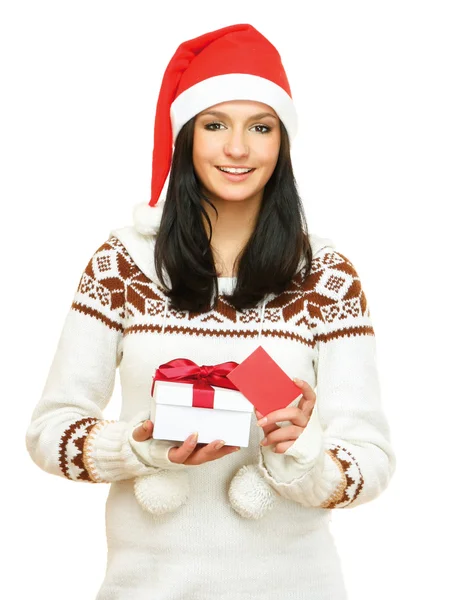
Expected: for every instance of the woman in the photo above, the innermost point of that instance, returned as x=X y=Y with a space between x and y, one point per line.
x=215 y=265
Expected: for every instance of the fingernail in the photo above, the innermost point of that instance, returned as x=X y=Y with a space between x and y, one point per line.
x=262 y=422
x=298 y=381
x=144 y=425
x=219 y=445
x=193 y=438
x=264 y=442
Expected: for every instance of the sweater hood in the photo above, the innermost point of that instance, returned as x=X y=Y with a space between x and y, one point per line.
x=141 y=248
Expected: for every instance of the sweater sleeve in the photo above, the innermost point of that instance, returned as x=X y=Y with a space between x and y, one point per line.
x=344 y=457
x=67 y=435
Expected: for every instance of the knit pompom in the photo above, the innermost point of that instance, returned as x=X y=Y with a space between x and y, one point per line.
x=249 y=494
x=163 y=491
x=147 y=218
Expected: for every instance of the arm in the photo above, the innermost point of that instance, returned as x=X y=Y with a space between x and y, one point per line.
x=343 y=457
x=67 y=435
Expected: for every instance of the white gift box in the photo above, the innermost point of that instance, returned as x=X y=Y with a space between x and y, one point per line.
x=175 y=418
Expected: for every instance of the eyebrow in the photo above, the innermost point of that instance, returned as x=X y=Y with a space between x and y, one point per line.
x=217 y=113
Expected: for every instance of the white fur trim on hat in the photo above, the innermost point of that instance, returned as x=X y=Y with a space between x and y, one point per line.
x=163 y=491
x=249 y=494
x=147 y=218
x=233 y=86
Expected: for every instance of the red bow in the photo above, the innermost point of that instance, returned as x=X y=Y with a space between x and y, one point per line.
x=202 y=378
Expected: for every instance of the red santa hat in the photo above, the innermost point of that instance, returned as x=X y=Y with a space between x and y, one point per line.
x=232 y=63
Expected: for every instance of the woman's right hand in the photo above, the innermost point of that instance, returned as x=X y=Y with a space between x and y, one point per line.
x=190 y=452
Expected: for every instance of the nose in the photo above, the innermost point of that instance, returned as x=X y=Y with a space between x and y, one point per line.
x=236 y=145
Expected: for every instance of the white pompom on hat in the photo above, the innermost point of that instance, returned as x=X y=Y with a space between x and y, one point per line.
x=195 y=79
x=147 y=218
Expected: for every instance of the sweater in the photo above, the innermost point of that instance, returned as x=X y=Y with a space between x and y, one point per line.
x=319 y=330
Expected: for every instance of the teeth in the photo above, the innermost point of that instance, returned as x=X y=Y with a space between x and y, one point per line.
x=234 y=170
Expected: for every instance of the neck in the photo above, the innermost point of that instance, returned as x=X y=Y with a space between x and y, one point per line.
x=231 y=230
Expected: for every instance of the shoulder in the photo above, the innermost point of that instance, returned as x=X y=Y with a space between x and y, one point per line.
x=100 y=294
x=329 y=260
x=320 y=243
x=333 y=288
x=139 y=249
x=110 y=260
x=126 y=253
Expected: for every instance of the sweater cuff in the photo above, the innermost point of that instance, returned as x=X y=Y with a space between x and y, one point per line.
x=154 y=453
x=151 y=453
x=299 y=459
x=108 y=455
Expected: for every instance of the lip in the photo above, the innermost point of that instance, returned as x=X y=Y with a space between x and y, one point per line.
x=235 y=177
x=234 y=167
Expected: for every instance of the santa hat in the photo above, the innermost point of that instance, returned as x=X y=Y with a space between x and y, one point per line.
x=232 y=63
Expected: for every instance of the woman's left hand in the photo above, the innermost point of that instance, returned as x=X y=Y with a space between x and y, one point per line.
x=298 y=416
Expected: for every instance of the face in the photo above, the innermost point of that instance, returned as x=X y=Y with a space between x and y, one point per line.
x=236 y=135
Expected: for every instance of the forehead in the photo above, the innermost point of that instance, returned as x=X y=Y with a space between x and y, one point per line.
x=243 y=108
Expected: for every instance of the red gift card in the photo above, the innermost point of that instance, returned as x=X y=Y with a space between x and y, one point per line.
x=263 y=382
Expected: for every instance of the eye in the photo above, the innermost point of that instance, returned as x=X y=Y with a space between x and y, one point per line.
x=263 y=127
x=215 y=126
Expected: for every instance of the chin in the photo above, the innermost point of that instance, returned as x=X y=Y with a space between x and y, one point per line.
x=232 y=195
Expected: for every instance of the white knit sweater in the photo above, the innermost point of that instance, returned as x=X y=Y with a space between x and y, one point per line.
x=319 y=330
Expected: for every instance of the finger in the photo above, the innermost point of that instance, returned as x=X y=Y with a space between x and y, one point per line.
x=283 y=434
x=267 y=428
x=307 y=408
x=143 y=432
x=258 y=414
x=213 y=450
x=179 y=454
x=209 y=452
x=291 y=413
x=308 y=394
x=282 y=447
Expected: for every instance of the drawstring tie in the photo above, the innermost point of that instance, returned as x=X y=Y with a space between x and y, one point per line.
x=166 y=305
x=262 y=318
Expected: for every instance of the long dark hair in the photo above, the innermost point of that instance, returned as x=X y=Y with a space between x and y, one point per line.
x=267 y=263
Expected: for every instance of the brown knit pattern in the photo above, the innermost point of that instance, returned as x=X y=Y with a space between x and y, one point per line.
x=328 y=304
x=71 y=449
x=351 y=481
x=334 y=297
x=102 y=287
x=217 y=333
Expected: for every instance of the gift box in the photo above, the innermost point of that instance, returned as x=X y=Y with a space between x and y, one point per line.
x=189 y=398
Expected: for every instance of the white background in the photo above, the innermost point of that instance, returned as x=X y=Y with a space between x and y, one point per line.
x=374 y=159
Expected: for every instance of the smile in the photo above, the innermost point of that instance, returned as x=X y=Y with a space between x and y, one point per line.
x=235 y=174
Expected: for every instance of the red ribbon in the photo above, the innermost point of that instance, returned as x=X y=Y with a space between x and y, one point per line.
x=183 y=370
